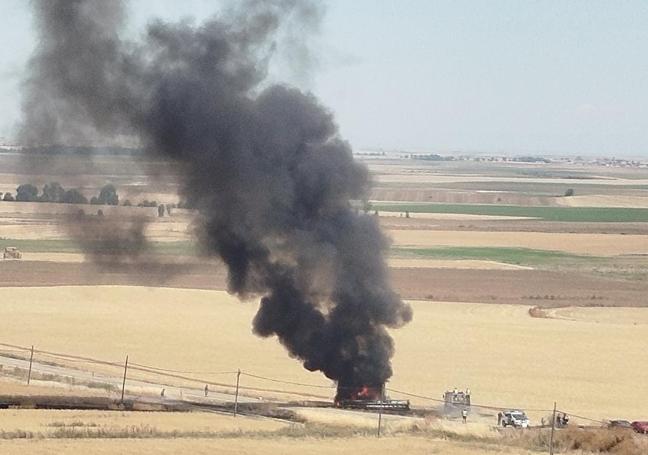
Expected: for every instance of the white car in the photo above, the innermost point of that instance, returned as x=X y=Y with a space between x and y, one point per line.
x=515 y=418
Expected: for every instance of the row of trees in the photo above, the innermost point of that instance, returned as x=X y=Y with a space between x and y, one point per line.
x=54 y=192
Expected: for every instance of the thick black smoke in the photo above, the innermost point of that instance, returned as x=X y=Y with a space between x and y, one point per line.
x=263 y=164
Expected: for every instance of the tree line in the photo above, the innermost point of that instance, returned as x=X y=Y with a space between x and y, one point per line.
x=54 y=192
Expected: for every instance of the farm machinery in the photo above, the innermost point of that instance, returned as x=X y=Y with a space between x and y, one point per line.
x=368 y=398
x=11 y=252
x=455 y=402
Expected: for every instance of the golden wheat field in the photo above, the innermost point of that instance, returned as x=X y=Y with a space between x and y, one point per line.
x=506 y=357
x=45 y=422
x=585 y=244
x=404 y=444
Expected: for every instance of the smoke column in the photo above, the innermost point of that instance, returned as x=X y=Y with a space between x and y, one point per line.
x=262 y=164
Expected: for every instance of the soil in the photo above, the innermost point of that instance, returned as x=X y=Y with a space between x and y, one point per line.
x=525 y=287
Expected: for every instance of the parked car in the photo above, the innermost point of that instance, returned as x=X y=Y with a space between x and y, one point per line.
x=640 y=426
x=514 y=418
x=619 y=424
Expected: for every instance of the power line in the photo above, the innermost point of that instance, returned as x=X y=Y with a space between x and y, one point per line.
x=180 y=371
x=287 y=382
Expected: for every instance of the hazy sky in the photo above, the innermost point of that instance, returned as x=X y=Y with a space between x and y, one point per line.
x=517 y=76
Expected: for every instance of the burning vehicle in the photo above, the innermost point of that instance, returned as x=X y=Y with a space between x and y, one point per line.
x=369 y=398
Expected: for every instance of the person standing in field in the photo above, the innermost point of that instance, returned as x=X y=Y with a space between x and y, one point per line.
x=206 y=389
x=464 y=415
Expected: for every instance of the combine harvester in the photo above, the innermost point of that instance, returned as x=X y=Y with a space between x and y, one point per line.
x=370 y=398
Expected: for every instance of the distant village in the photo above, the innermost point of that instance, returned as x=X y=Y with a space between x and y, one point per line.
x=576 y=160
x=399 y=154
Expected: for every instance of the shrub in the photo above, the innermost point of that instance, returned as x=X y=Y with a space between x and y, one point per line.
x=26 y=193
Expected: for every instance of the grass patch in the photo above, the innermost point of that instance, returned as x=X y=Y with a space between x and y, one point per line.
x=184 y=248
x=517 y=256
x=569 y=214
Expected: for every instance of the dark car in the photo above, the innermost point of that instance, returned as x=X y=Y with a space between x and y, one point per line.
x=640 y=426
x=619 y=424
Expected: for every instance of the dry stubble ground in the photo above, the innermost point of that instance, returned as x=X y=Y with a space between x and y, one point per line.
x=384 y=446
x=506 y=357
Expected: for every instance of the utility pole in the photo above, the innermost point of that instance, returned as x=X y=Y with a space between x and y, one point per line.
x=553 y=428
x=238 y=380
x=31 y=360
x=124 y=381
x=380 y=408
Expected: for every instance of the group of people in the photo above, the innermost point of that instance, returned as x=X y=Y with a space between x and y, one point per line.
x=562 y=420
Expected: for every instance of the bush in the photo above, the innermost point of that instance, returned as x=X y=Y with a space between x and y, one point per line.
x=8 y=197
x=27 y=193
x=53 y=192
x=74 y=197
x=569 y=192
x=108 y=195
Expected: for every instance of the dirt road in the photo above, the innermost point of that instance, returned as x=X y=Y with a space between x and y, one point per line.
x=134 y=388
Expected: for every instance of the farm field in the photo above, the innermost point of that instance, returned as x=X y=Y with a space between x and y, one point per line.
x=243 y=445
x=505 y=356
x=583 y=244
x=482 y=245
x=569 y=214
x=48 y=422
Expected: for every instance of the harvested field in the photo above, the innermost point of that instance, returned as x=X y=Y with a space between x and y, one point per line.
x=526 y=287
x=54 y=257
x=11 y=387
x=447 y=345
x=406 y=178
x=562 y=214
x=235 y=446
x=519 y=286
x=404 y=193
x=452 y=264
x=584 y=244
x=616 y=316
x=601 y=200
x=512 y=225
x=47 y=422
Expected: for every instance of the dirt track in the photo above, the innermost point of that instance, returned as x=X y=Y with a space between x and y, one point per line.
x=526 y=287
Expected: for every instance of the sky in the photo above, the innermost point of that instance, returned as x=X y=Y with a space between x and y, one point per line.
x=555 y=77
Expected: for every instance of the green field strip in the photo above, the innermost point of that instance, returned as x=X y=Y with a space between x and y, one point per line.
x=517 y=256
x=180 y=248
x=570 y=214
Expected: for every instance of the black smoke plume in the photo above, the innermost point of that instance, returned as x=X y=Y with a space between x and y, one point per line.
x=262 y=163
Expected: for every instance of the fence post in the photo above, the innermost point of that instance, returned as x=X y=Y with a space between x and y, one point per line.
x=553 y=428
x=124 y=381
x=238 y=379
x=31 y=360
